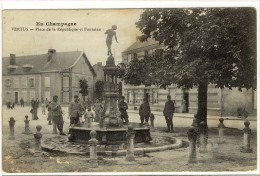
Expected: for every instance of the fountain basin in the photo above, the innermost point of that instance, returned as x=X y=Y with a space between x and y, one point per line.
x=113 y=135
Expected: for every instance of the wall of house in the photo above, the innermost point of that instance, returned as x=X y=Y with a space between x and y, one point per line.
x=79 y=71
x=233 y=99
x=21 y=85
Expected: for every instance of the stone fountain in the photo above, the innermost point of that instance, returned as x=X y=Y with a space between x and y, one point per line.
x=111 y=129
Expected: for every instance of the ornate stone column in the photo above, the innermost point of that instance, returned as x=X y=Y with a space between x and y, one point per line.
x=130 y=135
x=27 y=127
x=203 y=137
x=192 y=137
x=247 y=138
x=37 y=139
x=93 y=149
x=221 y=129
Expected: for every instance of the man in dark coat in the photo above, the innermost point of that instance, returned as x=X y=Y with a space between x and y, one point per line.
x=168 y=113
x=144 y=111
x=122 y=106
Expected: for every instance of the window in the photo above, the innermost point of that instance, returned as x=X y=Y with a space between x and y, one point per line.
x=8 y=83
x=65 y=81
x=135 y=55
x=31 y=82
x=16 y=82
x=24 y=95
x=47 y=81
x=8 y=96
x=129 y=58
x=47 y=95
x=32 y=94
x=66 y=97
x=24 y=82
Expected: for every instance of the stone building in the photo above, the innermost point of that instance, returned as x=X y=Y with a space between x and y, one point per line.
x=45 y=75
x=220 y=101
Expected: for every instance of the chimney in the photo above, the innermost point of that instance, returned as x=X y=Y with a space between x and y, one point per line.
x=99 y=64
x=12 y=59
x=50 y=54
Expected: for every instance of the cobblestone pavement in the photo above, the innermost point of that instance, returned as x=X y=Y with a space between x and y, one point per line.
x=16 y=157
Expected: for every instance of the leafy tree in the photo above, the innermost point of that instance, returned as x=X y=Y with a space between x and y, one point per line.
x=83 y=84
x=99 y=88
x=202 y=46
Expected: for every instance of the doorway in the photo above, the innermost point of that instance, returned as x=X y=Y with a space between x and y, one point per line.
x=16 y=98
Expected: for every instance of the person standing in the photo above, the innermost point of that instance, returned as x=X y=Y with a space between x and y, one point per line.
x=49 y=118
x=98 y=108
x=144 y=111
x=43 y=106
x=75 y=109
x=34 y=109
x=122 y=106
x=56 y=112
x=168 y=111
x=22 y=102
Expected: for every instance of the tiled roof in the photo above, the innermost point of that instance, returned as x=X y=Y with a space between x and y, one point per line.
x=139 y=44
x=60 y=61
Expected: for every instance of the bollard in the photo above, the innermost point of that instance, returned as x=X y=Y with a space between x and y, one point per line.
x=37 y=139
x=11 y=124
x=93 y=149
x=54 y=131
x=152 y=120
x=27 y=127
x=192 y=137
x=221 y=129
x=203 y=137
x=247 y=135
x=130 y=135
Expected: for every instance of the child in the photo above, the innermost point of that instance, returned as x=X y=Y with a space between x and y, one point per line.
x=89 y=117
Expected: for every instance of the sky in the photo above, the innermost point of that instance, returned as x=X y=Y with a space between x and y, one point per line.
x=93 y=43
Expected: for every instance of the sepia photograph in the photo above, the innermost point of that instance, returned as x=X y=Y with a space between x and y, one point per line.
x=130 y=90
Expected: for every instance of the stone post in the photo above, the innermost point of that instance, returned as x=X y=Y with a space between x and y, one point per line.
x=54 y=131
x=130 y=135
x=221 y=129
x=192 y=137
x=203 y=137
x=11 y=124
x=27 y=127
x=93 y=149
x=247 y=137
x=37 y=139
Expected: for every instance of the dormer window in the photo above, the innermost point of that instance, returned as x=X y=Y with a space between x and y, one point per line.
x=12 y=67
x=27 y=66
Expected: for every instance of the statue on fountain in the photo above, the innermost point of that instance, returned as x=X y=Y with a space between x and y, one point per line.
x=110 y=34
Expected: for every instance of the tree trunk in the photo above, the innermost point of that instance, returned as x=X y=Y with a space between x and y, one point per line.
x=202 y=102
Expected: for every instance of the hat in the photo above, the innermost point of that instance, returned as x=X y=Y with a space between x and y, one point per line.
x=55 y=96
x=76 y=96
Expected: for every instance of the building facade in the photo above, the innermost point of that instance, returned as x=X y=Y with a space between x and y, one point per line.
x=42 y=76
x=221 y=102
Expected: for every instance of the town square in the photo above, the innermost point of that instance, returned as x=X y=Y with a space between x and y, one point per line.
x=154 y=90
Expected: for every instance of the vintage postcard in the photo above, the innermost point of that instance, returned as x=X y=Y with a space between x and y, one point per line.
x=130 y=90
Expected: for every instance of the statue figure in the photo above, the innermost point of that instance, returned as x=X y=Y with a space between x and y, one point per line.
x=110 y=33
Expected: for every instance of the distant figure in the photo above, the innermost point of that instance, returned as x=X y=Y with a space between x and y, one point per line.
x=43 y=106
x=49 y=113
x=56 y=112
x=183 y=106
x=168 y=111
x=34 y=109
x=110 y=33
x=98 y=108
x=122 y=106
x=144 y=111
x=89 y=117
x=75 y=110
x=22 y=102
